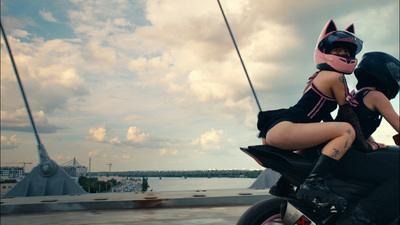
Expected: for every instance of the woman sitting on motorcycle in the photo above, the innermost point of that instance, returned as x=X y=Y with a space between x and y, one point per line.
x=299 y=126
x=378 y=82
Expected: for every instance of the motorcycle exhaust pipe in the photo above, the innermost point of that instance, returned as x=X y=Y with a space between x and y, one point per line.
x=292 y=215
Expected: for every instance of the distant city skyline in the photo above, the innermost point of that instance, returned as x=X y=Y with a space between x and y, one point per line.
x=157 y=85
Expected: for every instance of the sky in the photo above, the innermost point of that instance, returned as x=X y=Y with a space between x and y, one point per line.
x=158 y=85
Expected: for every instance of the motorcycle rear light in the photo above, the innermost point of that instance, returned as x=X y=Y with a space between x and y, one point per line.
x=255 y=158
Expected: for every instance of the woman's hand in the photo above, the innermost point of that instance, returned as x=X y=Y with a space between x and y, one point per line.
x=376 y=146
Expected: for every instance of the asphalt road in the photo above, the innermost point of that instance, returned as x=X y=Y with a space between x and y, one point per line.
x=222 y=215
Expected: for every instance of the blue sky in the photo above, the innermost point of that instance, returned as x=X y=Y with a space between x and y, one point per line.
x=157 y=85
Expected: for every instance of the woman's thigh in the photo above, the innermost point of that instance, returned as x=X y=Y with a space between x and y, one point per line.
x=288 y=135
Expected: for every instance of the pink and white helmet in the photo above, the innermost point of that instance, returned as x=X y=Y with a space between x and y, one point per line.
x=331 y=38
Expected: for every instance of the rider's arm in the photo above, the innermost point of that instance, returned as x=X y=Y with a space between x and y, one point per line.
x=381 y=103
x=346 y=112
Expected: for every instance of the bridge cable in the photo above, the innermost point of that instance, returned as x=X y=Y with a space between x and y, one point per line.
x=20 y=85
x=240 y=57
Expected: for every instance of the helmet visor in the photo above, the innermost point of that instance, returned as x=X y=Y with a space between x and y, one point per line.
x=341 y=36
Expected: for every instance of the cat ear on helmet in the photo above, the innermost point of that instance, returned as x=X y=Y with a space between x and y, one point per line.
x=329 y=27
x=350 y=28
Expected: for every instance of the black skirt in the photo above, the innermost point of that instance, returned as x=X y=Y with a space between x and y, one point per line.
x=268 y=119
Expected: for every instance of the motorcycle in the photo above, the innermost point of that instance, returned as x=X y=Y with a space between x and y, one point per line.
x=288 y=209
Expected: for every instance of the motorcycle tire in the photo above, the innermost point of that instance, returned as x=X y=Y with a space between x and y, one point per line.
x=264 y=212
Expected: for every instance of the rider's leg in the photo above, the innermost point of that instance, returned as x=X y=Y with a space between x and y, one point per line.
x=314 y=185
x=340 y=136
x=292 y=136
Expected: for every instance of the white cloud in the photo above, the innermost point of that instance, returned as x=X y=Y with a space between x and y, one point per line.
x=174 y=152
x=115 y=141
x=9 y=143
x=98 y=134
x=48 y=70
x=132 y=118
x=143 y=64
x=162 y=151
x=121 y=22
x=100 y=54
x=47 y=16
x=210 y=139
x=94 y=153
x=18 y=33
x=18 y=120
x=135 y=135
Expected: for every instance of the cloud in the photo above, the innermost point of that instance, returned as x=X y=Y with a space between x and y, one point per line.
x=98 y=134
x=100 y=54
x=135 y=135
x=210 y=139
x=49 y=72
x=94 y=153
x=9 y=143
x=132 y=118
x=162 y=151
x=174 y=152
x=48 y=16
x=18 y=120
x=115 y=141
x=20 y=33
x=126 y=156
x=122 y=22
x=142 y=64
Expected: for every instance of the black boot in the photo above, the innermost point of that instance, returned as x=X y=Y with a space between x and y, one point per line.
x=282 y=188
x=356 y=215
x=314 y=186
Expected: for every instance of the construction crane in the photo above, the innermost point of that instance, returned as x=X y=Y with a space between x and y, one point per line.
x=109 y=169
x=23 y=163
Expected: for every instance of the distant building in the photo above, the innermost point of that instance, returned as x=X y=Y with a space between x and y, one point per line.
x=6 y=187
x=74 y=169
x=12 y=172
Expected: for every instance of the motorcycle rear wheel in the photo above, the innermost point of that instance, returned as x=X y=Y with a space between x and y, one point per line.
x=265 y=212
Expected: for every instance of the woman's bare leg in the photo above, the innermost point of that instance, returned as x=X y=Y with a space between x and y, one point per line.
x=292 y=136
x=339 y=135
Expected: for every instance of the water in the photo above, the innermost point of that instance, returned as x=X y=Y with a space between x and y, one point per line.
x=194 y=184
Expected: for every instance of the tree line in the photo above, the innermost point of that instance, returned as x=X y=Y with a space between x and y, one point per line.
x=179 y=173
x=93 y=185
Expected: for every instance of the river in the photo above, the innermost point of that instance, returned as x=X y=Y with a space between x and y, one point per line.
x=194 y=184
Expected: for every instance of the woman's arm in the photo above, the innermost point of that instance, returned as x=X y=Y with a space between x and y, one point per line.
x=346 y=112
x=381 y=103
